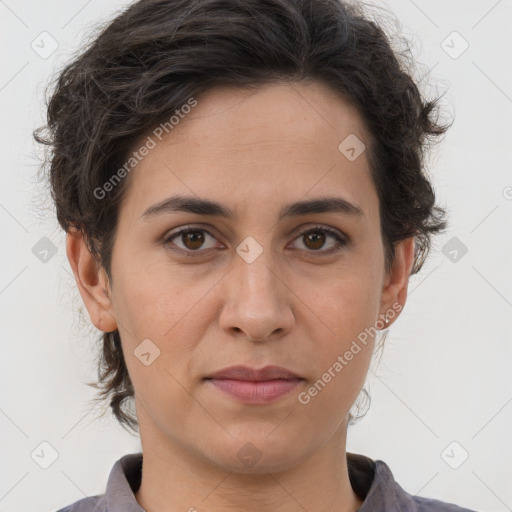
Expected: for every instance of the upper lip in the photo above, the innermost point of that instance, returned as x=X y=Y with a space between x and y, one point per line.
x=252 y=374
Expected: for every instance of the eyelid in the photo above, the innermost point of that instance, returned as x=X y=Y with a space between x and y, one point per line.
x=341 y=238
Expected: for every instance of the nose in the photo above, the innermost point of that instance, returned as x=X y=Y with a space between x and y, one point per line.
x=259 y=303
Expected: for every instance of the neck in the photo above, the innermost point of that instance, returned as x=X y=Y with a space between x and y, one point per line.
x=176 y=478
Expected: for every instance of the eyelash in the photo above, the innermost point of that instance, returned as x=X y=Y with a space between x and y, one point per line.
x=341 y=242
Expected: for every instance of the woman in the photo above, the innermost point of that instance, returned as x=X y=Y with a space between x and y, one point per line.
x=242 y=188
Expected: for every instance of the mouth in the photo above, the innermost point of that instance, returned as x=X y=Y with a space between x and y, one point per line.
x=246 y=373
x=254 y=386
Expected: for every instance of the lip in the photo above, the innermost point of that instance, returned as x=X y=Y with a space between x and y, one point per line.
x=246 y=373
x=253 y=386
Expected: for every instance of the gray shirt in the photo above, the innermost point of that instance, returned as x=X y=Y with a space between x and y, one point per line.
x=371 y=480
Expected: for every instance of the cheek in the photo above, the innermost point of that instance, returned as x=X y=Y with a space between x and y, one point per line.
x=158 y=306
x=348 y=310
x=333 y=394
x=152 y=300
x=339 y=368
x=350 y=301
x=342 y=353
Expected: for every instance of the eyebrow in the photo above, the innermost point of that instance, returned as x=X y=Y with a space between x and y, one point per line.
x=190 y=204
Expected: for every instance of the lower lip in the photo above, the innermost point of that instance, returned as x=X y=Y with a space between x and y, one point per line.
x=252 y=392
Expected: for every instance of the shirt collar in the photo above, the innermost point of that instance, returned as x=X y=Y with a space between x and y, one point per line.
x=123 y=482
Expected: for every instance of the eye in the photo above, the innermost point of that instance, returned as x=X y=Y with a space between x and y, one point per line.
x=192 y=239
x=314 y=239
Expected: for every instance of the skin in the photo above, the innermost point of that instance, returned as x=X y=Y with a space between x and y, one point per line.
x=295 y=306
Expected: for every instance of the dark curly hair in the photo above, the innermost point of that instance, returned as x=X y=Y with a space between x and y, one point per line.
x=157 y=54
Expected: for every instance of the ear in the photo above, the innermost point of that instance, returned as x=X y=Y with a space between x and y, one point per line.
x=394 y=289
x=92 y=281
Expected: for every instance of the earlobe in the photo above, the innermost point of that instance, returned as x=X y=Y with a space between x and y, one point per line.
x=91 y=280
x=394 y=291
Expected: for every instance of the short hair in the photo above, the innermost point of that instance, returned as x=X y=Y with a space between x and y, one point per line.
x=157 y=54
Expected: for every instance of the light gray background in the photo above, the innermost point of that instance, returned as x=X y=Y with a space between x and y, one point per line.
x=445 y=374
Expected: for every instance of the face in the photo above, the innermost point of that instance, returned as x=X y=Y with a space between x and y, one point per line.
x=255 y=287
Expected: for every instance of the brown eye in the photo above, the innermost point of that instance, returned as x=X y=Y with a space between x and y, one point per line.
x=315 y=238
x=191 y=240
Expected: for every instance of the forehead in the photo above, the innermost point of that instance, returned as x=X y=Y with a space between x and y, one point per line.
x=272 y=144
x=283 y=112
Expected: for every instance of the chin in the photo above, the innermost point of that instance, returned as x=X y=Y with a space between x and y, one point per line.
x=257 y=454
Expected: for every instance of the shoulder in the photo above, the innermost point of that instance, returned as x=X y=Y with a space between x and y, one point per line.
x=374 y=483
x=398 y=499
x=431 y=505
x=89 y=504
x=124 y=478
